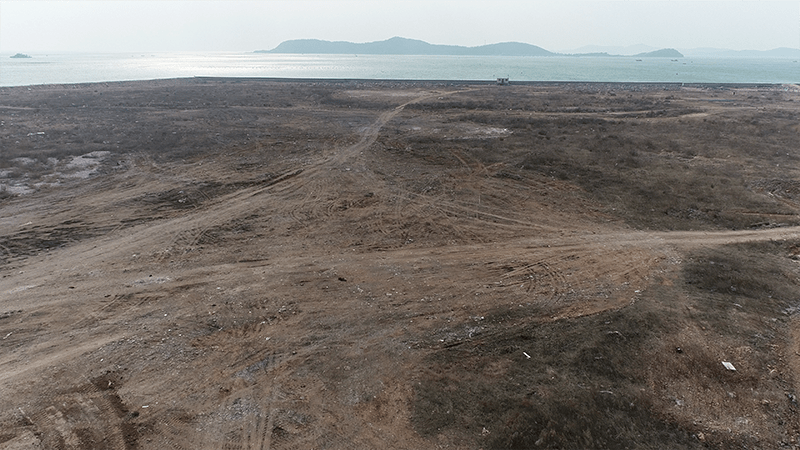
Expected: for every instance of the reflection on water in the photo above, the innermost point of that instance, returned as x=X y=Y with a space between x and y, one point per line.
x=81 y=68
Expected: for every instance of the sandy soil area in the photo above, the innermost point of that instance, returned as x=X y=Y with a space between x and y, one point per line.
x=270 y=264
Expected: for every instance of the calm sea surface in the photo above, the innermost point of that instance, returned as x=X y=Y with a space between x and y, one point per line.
x=82 y=68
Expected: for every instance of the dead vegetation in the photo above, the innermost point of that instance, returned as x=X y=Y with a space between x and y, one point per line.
x=281 y=264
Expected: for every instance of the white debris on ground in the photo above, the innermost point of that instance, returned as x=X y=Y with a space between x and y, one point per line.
x=150 y=280
x=478 y=132
x=23 y=161
x=15 y=189
x=467 y=131
x=495 y=131
x=28 y=174
x=85 y=164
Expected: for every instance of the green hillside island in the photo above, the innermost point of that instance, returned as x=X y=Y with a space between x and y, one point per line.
x=403 y=46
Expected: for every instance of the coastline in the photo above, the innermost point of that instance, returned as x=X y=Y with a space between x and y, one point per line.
x=417 y=82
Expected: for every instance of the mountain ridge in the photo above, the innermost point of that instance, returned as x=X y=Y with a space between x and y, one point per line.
x=405 y=46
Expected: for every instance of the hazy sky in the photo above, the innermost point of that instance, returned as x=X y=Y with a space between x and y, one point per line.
x=122 y=26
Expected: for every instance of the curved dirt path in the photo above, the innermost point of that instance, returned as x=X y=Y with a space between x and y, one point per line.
x=370 y=135
x=241 y=343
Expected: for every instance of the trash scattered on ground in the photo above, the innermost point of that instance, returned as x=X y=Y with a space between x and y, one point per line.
x=729 y=366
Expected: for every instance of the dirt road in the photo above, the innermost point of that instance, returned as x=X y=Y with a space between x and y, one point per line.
x=397 y=266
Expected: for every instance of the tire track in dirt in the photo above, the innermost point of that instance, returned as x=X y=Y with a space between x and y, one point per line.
x=120 y=303
x=88 y=415
x=55 y=357
x=344 y=161
x=301 y=181
x=793 y=358
x=563 y=280
x=450 y=209
x=698 y=238
x=297 y=192
x=561 y=255
x=569 y=271
x=524 y=209
x=221 y=210
x=562 y=273
x=245 y=418
x=370 y=135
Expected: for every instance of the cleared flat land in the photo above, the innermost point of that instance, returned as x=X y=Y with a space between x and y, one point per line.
x=276 y=264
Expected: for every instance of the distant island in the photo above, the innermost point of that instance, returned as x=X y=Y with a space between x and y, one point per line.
x=663 y=53
x=21 y=55
x=404 y=46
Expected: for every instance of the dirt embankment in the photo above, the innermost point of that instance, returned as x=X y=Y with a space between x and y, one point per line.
x=252 y=264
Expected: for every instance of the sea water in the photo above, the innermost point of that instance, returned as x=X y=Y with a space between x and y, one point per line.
x=57 y=68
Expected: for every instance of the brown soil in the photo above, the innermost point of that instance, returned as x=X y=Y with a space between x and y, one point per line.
x=268 y=264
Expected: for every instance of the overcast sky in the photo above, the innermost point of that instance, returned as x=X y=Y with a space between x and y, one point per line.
x=132 y=26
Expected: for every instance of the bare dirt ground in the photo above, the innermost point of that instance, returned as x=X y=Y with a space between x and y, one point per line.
x=270 y=264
